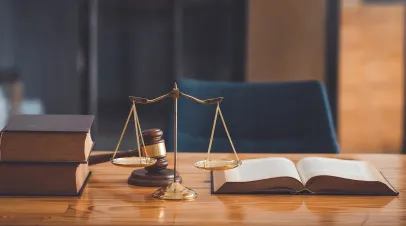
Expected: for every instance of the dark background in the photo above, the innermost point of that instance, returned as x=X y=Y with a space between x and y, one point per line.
x=87 y=57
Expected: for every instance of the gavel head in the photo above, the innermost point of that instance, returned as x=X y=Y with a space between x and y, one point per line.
x=154 y=143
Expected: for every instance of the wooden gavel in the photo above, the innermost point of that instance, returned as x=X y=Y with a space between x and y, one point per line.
x=154 y=147
x=156 y=175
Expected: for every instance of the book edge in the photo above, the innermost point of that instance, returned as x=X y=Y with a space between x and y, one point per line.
x=391 y=186
x=91 y=121
x=50 y=162
x=77 y=194
x=300 y=192
x=236 y=193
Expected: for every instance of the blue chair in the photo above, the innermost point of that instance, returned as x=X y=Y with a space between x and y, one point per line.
x=289 y=117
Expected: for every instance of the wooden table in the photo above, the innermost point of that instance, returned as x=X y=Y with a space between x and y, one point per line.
x=108 y=200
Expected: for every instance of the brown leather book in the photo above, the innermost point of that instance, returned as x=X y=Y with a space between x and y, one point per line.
x=38 y=179
x=310 y=175
x=47 y=138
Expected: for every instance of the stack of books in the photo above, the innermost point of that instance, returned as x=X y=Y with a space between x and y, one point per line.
x=45 y=154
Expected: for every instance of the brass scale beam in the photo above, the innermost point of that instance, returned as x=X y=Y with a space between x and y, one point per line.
x=174 y=94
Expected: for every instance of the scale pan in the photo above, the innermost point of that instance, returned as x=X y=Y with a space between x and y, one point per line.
x=133 y=161
x=221 y=164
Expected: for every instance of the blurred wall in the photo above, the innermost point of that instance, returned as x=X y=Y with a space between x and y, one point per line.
x=40 y=39
x=135 y=49
x=46 y=38
x=371 y=77
x=285 y=40
x=7 y=54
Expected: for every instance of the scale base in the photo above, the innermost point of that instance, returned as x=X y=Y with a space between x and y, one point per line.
x=162 y=178
x=175 y=191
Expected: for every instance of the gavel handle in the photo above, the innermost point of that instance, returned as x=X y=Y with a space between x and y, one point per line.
x=101 y=158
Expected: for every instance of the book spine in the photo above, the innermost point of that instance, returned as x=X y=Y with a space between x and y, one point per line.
x=304 y=191
x=1 y=136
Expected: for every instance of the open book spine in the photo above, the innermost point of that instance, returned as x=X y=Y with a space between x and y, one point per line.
x=303 y=191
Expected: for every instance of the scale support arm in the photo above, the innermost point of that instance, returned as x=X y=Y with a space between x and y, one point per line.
x=141 y=100
x=216 y=100
x=175 y=93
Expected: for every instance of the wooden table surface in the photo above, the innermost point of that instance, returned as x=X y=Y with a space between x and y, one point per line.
x=108 y=200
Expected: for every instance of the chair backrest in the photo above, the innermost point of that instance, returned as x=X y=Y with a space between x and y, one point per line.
x=289 y=117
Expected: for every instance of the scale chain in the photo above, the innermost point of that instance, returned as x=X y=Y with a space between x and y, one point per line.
x=136 y=130
x=228 y=134
x=139 y=129
x=212 y=132
x=122 y=133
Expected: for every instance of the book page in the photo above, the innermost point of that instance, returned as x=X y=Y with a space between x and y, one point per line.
x=349 y=169
x=262 y=168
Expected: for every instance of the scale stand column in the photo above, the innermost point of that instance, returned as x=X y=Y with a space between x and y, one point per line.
x=175 y=190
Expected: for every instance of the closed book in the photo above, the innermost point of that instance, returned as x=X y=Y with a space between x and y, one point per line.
x=47 y=138
x=43 y=179
x=310 y=175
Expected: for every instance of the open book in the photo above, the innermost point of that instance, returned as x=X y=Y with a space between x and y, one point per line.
x=315 y=175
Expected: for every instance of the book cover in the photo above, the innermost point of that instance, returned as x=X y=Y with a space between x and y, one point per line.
x=49 y=123
x=47 y=138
